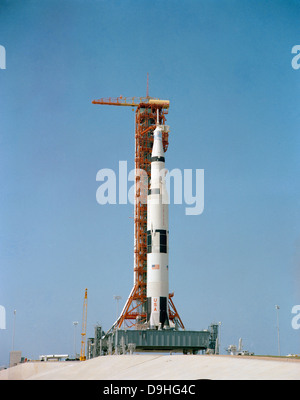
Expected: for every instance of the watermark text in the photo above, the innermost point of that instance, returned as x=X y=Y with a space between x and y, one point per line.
x=2 y=317
x=182 y=187
x=2 y=57
x=296 y=319
x=296 y=58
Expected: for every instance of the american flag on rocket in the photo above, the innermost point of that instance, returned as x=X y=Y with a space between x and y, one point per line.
x=155 y=266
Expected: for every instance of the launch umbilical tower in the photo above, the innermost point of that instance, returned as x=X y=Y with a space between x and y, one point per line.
x=149 y=112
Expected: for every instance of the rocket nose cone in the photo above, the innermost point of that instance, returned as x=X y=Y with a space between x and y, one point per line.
x=157 y=149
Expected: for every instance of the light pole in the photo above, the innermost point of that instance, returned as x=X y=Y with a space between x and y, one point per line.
x=278 y=337
x=75 y=323
x=117 y=298
x=14 y=328
x=219 y=337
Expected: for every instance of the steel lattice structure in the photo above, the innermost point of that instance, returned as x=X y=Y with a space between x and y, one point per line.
x=147 y=110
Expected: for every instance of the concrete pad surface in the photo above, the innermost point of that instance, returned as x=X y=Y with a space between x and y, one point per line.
x=157 y=366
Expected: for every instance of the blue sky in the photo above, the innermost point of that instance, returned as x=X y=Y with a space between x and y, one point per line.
x=226 y=68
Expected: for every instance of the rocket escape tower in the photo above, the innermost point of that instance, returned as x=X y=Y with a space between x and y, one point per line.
x=148 y=109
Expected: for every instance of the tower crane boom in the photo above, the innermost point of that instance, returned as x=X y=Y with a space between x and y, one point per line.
x=132 y=101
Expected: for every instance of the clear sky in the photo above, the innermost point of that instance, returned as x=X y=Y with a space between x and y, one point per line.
x=225 y=66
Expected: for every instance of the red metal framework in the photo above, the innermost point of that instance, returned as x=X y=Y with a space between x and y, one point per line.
x=145 y=122
x=147 y=109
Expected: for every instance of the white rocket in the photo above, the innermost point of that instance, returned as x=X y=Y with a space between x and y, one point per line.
x=157 y=239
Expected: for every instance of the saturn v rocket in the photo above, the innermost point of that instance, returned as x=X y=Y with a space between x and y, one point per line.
x=157 y=239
